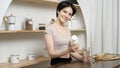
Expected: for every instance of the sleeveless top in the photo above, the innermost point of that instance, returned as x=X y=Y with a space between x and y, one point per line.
x=60 y=41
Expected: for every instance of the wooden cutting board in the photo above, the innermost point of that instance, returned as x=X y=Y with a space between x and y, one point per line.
x=107 y=57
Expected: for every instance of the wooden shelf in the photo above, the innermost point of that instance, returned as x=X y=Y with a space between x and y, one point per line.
x=31 y=31
x=47 y=2
x=40 y=1
x=78 y=30
x=23 y=63
x=21 y=31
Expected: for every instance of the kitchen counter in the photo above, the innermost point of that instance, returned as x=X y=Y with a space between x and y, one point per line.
x=46 y=64
x=106 y=64
x=78 y=64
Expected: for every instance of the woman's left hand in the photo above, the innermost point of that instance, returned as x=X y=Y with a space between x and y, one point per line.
x=86 y=56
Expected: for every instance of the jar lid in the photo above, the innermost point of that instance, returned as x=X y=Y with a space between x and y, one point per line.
x=15 y=55
x=28 y=18
x=41 y=24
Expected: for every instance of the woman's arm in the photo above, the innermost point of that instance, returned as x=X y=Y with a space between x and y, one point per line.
x=77 y=56
x=84 y=58
x=55 y=53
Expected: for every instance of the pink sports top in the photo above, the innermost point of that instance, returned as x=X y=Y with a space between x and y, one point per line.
x=60 y=41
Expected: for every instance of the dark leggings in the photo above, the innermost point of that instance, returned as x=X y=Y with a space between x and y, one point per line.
x=60 y=60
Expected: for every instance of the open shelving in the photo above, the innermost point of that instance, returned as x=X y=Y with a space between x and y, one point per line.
x=24 y=62
x=21 y=31
x=47 y=2
x=30 y=31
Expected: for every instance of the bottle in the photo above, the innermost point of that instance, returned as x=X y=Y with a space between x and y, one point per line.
x=28 y=24
x=74 y=40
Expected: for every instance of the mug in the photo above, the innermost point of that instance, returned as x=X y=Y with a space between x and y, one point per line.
x=14 y=58
x=31 y=56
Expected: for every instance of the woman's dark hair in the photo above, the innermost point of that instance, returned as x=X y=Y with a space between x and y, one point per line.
x=64 y=4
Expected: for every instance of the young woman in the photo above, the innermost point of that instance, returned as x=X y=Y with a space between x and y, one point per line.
x=57 y=36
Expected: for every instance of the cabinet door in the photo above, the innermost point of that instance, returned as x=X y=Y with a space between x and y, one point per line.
x=3 y=7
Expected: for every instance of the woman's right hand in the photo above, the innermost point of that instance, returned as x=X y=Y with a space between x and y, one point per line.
x=70 y=49
x=73 y=48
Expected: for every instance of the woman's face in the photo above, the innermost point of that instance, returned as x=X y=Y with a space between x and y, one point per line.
x=65 y=14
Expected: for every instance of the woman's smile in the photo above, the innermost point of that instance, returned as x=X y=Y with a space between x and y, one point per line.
x=65 y=14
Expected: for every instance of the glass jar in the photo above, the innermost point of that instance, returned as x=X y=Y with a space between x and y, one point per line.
x=41 y=26
x=31 y=56
x=28 y=24
x=14 y=58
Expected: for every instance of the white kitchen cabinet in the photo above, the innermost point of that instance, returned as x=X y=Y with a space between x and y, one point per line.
x=81 y=32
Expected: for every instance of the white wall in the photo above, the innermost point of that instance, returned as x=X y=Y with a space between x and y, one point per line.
x=39 y=13
x=23 y=43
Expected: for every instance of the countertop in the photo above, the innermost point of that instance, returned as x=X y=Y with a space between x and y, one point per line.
x=78 y=64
